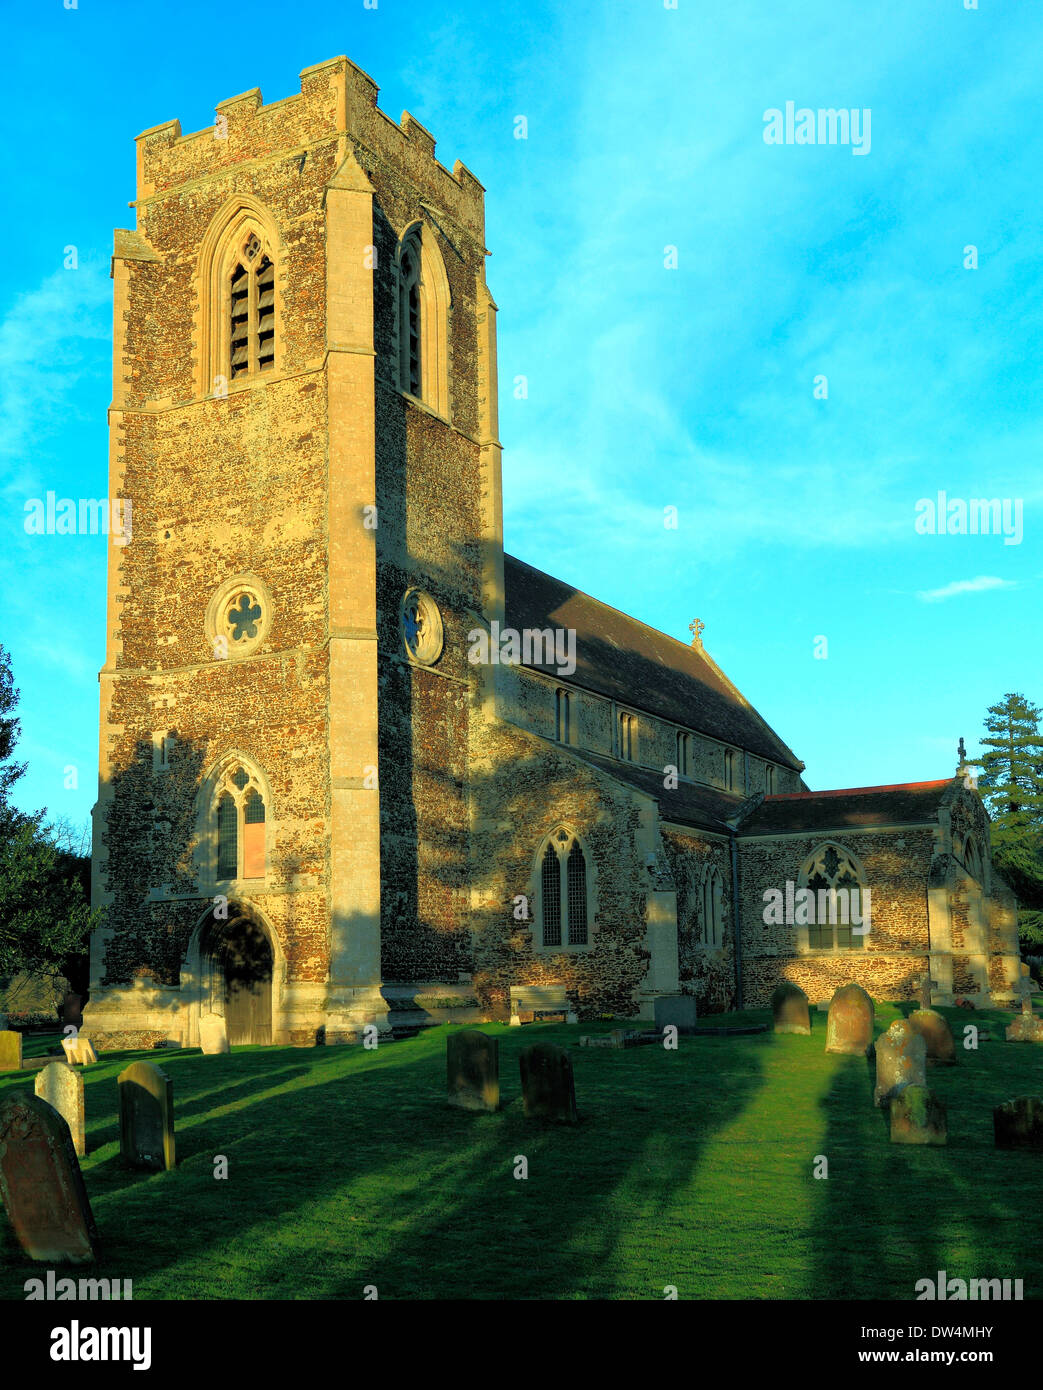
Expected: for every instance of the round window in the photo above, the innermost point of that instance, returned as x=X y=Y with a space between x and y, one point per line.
x=238 y=618
x=421 y=627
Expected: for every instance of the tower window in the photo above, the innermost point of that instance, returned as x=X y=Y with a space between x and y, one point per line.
x=252 y=338
x=241 y=825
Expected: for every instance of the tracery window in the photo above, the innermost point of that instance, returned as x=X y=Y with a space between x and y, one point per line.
x=833 y=876
x=240 y=822
x=712 y=916
x=252 y=310
x=564 y=905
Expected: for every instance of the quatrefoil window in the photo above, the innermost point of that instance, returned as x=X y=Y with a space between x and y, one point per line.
x=238 y=618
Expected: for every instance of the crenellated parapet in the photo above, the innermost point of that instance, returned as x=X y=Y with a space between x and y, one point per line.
x=337 y=101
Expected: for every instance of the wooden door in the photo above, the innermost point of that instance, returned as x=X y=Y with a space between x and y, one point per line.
x=247 y=961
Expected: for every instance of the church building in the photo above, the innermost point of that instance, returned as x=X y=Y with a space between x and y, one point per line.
x=358 y=765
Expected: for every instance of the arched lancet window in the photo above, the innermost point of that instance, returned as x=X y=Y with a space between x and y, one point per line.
x=564 y=905
x=837 y=883
x=729 y=769
x=238 y=296
x=769 y=780
x=238 y=823
x=423 y=319
x=684 y=747
x=972 y=859
x=712 y=915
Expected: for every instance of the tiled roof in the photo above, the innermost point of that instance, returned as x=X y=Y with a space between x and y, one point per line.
x=903 y=803
x=625 y=660
x=690 y=803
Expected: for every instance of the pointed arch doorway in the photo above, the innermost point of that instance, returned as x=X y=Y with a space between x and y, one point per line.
x=239 y=962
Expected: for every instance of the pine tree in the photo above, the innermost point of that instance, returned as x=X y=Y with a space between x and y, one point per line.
x=1012 y=785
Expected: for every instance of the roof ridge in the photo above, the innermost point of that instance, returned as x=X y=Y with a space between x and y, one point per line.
x=853 y=791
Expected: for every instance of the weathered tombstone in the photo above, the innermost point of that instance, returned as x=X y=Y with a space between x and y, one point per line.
x=10 y=1051
x=72 y=1010
x=1018 y=1124
x=548 y=1087
x=472 y=1063
x=936 y=1033
x=1025 y=1028
x=61 y=1086
x=41 y=1183
x=926 y=985
x=677 y=1011
x=213 y=1034
x=901 y=1061
x=918 y=1117
x=146 y=1117
x=849 y=1027
x=1025 y=990
x=789 y=1009
x=79 y=1050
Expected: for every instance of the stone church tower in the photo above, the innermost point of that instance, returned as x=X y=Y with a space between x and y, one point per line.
x=304 y=423
x=356 y=761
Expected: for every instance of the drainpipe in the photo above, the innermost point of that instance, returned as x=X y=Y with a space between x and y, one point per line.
x=736 y=921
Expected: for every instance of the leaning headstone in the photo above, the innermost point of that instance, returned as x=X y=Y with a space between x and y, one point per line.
x=41 y=1183
x=146 y=1117
x=1018 y=1124
x=1025 y=1028
x=79 y=1050
x=10 y=1051
x=918 y=1117
x=936 y=1033
x=849 y=1027
x=677 y=1011
x=61 y=1086
x=789 y=1009
x=72 y=1010
x=901 y=1061
x=472 y=1063
x=213 y=1034
x=548 y=1087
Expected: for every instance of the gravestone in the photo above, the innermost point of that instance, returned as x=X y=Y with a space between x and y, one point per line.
x=1025 y=990
x=789 y=1009
x=918 y=1117
x=926 y=985
x=901 y=1061
x=1025 y=1028
x=61 y=1086
x=548 y=1087
x=677 y=1011
x=937 y=1034
x=849 y=1027
x=72 y=1010
x=41 y=1183
x=10 y=1051
x=1018 y=1124
x=213 y=1034
x=79 y=1051
x=146 y=1117
x=472 y=1063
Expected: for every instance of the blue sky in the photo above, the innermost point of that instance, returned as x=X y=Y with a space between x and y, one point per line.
x=648 y=387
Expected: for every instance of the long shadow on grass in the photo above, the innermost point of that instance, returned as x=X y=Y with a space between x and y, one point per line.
x=360 y=1173
x=893 y=1214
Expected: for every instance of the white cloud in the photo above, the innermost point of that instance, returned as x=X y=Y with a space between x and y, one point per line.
x=965 y=586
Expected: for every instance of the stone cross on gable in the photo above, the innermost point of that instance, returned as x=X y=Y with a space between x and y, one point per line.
x=695 y=627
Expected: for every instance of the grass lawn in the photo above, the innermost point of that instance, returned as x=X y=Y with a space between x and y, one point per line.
x=692 y=1168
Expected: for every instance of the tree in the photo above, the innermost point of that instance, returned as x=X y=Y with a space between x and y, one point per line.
x=1012 y=776
x=1011 y=784
x=45 y=914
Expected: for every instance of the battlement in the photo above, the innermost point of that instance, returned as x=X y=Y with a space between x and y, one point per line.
x=337 y=101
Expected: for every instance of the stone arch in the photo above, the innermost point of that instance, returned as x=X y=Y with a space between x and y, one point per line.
x=204 y=970
x=231 y=225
